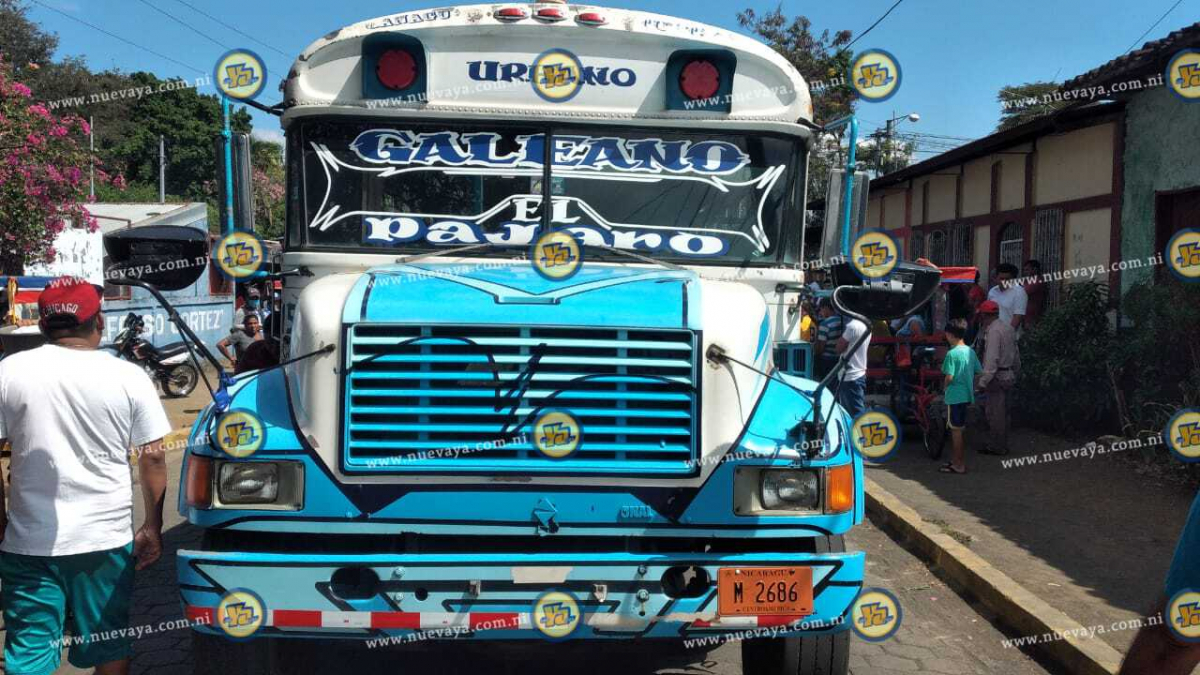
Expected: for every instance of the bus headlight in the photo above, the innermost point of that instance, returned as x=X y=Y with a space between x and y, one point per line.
x=791 y=490
x=278 y=485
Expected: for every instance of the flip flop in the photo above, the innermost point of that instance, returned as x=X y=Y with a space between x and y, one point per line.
x=949 y=468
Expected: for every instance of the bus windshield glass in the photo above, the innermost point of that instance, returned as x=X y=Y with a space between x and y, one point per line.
x=415 y=188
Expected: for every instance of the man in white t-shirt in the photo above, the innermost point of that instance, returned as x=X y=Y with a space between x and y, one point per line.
x=1010 y=296
x=852 y=392
x=73 y=414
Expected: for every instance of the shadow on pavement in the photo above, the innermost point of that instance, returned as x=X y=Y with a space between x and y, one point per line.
x=1090 y=535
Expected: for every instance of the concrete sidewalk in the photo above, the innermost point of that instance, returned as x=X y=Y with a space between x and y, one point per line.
x=1091 y=537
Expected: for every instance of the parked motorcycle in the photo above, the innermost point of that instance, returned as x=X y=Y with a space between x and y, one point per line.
x=168 y=365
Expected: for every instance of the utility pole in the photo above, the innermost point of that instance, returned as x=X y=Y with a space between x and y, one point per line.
x=162 y=170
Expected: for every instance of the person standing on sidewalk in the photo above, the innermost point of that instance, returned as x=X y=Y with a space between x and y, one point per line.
x=1009 y=296
x=73 y=413
x=1157 y=650
x=960 y=367
x=1001 y=364
x=852 y=392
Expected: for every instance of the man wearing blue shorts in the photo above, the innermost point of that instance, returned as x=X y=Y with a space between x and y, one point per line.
x=1172 y=646
x=73 y=414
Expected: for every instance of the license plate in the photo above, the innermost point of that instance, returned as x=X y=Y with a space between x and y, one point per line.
x=764 y=591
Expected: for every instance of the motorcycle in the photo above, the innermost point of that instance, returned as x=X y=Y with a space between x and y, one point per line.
x=168 y=365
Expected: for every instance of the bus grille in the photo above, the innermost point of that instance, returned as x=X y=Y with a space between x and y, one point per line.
x=463 y=399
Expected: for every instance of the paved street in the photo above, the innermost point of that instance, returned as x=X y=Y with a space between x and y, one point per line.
x=940 y=633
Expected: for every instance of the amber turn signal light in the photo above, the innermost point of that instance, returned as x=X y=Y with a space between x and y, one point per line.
x=199 y=488
x=839 y=489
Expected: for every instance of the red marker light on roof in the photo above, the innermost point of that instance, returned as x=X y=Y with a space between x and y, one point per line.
x=397 y=69
x=550 y=14
x=699 y=80
x=511 y=14
x=591 y=19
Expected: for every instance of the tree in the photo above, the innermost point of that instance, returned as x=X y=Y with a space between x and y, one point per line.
x=43 y=184
x=24 y=44
x=1026 y=102
x=188 y=120
x=266 y=159
x=819 y=58
x=885 y=155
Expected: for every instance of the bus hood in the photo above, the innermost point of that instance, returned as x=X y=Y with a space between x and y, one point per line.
x=504 y=301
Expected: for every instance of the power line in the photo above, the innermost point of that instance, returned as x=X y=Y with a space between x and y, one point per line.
x=118 y=37
x=877 y=22
x=234 y=29
x=1160 y=20
x=185 y=24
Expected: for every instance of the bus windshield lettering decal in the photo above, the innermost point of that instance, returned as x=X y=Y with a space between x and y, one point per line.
x=679 y=197
x=575 y=153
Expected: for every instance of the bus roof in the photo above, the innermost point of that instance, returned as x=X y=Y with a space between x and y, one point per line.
x=544 y=60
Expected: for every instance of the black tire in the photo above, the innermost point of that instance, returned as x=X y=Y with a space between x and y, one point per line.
x=935 y=436
x=180 y=380
x=808 y=655
x=218 y=655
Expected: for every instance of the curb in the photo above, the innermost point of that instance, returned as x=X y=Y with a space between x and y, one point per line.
x=1013 y=603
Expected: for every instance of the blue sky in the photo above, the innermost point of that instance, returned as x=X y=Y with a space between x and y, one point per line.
x=955 y=54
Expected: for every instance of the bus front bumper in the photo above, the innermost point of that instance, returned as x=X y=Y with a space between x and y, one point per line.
x=493 y=596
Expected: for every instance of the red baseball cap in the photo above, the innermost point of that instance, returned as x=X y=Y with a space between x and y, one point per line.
x=988 y=307
x=66 y=303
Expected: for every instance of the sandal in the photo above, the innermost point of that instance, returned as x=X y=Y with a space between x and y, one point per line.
x=949 y=468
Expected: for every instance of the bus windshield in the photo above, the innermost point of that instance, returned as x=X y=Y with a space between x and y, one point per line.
x=682 y=196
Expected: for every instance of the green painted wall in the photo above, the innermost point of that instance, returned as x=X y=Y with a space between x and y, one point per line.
x=1160 y=154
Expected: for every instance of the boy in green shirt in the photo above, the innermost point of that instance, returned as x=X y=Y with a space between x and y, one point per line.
x=960 y=367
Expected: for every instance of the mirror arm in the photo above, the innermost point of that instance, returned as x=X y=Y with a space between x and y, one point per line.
x=817 y=427
x=220 y=396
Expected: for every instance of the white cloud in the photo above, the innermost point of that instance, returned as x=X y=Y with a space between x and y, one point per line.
x=273 y=135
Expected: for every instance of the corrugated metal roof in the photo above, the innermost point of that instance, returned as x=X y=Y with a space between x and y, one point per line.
x=1151 y=58
x=118 y=216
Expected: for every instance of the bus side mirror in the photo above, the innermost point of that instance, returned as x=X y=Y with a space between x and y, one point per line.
x=908 y=288
x=167 y=257
x=835 y=220
x=241 y=170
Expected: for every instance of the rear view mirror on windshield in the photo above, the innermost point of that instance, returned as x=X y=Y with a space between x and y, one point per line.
x=169 y=258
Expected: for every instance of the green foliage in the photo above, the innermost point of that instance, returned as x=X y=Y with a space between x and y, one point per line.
x=266 y=159
x=1026 y=102
x=189 y=121
x=1157 y=360
x=820 y=59
x=1064 y=382
x=24 y=44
